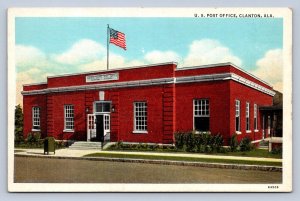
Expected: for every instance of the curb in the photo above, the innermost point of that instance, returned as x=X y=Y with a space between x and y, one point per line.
x=167 y=162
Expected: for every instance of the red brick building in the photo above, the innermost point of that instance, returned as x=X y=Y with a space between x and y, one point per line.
x=147 y=103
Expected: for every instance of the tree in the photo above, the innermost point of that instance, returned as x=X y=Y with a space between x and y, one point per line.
x=18 y=125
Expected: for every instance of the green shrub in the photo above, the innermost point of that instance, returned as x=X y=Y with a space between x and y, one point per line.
x=217 y=142
x=202 y=142
x=19 y=138
x=277 y=150
x=233 y=143
x=61 y=144
x=190 y=142
x=245 y=144
x=33 y=138
x=119 y=145
x=179 y=140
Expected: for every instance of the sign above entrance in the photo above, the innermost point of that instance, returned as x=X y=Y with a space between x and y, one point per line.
x=102 y=77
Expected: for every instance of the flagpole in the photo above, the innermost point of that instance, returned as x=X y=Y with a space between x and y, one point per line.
x=107 y=54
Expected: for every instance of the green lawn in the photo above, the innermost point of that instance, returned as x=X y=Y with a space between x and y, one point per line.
x=261 y=153
x=178 y=158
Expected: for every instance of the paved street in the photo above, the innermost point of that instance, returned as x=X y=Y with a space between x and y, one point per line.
x=45 y=170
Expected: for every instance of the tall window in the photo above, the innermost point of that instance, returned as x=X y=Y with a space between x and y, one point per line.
x=255 y=117
x=36 y=118
x=201 y=115
x=140 y=116
x=237 y=115
x=247 y=116
x=69 y=117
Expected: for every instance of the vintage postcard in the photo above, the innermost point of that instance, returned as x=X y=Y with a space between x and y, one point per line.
x=149 y=100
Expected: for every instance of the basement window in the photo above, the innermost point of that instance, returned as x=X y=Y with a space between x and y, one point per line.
x=36 y=118
x=201 y=115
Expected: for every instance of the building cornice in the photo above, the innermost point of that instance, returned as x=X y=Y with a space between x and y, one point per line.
x=224 y=76
x=222 y=64
x=34 y=84
x=139 y=83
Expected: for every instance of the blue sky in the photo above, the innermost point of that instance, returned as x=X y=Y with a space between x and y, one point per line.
x=247 y=38
x=47 y=46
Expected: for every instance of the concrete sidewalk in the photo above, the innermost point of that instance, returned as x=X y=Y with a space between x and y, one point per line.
x=80 y=153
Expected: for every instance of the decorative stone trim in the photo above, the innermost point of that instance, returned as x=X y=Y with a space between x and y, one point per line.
x=138 y=83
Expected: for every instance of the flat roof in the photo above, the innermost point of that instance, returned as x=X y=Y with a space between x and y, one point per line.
x=115 y=69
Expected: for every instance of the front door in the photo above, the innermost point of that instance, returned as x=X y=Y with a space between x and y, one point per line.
x=99 y=128
x=106 y=122
x=102 y=127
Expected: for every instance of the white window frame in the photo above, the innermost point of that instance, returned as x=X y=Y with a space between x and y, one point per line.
x=140 y=109
x=255 y=118
x=69 y=119
x=248 y=130
x=36 y=118
x=197 y=103
x=238 y=114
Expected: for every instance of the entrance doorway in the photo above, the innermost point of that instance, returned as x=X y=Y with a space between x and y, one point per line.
x=98 y=128
x=102 y=127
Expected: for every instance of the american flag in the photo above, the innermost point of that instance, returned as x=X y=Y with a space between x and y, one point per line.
x=117 y=38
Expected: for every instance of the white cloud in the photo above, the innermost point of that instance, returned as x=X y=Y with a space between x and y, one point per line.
x=24 y=78
x=115 y=61
x=32 y=65
x=269 y=68
x=160 y=56
x=208 y=51
x=27 y=56
x=83 y=51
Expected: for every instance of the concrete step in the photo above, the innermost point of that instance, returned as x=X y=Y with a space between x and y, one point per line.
x=81 y=145
x=85 y=148
x=86 y=143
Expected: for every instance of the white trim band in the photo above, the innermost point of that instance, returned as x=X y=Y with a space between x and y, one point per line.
x=138 y=83
x=219 y=65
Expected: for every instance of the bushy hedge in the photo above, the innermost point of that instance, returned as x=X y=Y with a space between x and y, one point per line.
x=34 y=140
x=245 y=144
x=233 y=143
x=141 y=147
x=199 y=142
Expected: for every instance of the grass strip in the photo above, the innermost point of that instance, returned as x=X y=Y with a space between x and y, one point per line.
x=259 y=153
x=188 y=159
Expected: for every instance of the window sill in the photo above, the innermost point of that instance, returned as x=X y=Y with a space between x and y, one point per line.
x=256 y=131
x=238 y=132
x=140 y=132
x=248 y=131
x=68 y=131
x=35 y=129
